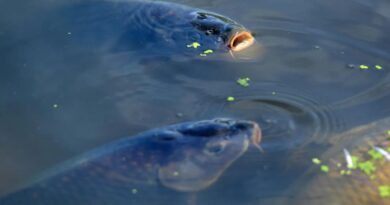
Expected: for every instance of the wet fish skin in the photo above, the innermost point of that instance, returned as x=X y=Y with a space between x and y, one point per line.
x=150 y=26
x=184 y=157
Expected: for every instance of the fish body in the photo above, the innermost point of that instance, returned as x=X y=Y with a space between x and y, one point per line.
x=186 y=157
x=150 y=26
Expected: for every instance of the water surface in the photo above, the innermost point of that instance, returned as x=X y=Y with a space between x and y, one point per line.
x=57 y=102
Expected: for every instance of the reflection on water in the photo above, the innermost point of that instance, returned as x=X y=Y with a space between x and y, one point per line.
x=57 y=101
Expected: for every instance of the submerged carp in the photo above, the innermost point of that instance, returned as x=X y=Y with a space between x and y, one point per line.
x=184 y=157
x=162 y=27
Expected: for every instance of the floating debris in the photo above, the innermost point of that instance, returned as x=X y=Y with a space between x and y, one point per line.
x=350 y=65
x=348 y=158
x=375 y=154
x=243 y=81
x=134 y=191
x=367 y=167
x=316 y=161
x=384 y=191
x=176 y=173
x=230 y=99
x=383 y=153
x=378 y=67
x=193 y=45
x=325 y=168
x=364 y=67
x=273 y=93
x=55 y=105
x=208 y=51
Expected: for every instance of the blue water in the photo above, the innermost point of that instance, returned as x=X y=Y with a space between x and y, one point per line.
x=306 y=87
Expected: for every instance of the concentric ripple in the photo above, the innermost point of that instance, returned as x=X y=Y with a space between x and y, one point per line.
x=288 y=118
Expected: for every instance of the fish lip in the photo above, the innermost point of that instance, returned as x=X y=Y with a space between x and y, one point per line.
x=256 y=134
x=241 y=40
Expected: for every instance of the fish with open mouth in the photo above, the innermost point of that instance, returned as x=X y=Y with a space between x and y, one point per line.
x=158 y=27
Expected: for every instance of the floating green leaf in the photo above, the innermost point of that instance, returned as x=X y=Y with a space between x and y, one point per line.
x=243 y=81
x=316 y=161
x=384 y=191
x=355 y=162
x=193 y=45
x=375 y=154
x=363 y=67
x=324 y=168
x=230 y=99
x=378 y=67
x=208 y=51
x=367 y=167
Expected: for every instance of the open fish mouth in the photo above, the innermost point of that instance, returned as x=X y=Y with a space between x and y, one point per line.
x=256 y=134
x=241 y=40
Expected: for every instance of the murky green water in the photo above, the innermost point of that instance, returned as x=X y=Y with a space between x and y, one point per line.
x=57 y=102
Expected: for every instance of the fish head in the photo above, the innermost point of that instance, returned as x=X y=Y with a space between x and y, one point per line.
x=202 y=150
x=221 y=33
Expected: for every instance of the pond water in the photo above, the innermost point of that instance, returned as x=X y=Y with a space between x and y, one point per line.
x=305 y=88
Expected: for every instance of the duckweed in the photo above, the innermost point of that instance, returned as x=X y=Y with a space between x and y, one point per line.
x=384 y=191
x=378 y=67
x=193 y=45
x=316 y=161
x=324 y=168
x=375 y=154
x=208 y=51
x=243 y=82
x=368 y=167
x=355 y=162
x=230 y=99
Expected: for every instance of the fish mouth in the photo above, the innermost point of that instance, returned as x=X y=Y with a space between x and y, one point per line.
x=256 y=134
x=241 y=40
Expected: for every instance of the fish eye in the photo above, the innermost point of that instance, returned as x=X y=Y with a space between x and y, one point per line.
x=212 y=31
x=228 y=29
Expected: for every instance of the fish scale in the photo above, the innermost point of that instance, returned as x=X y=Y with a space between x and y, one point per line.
x=180 y=158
